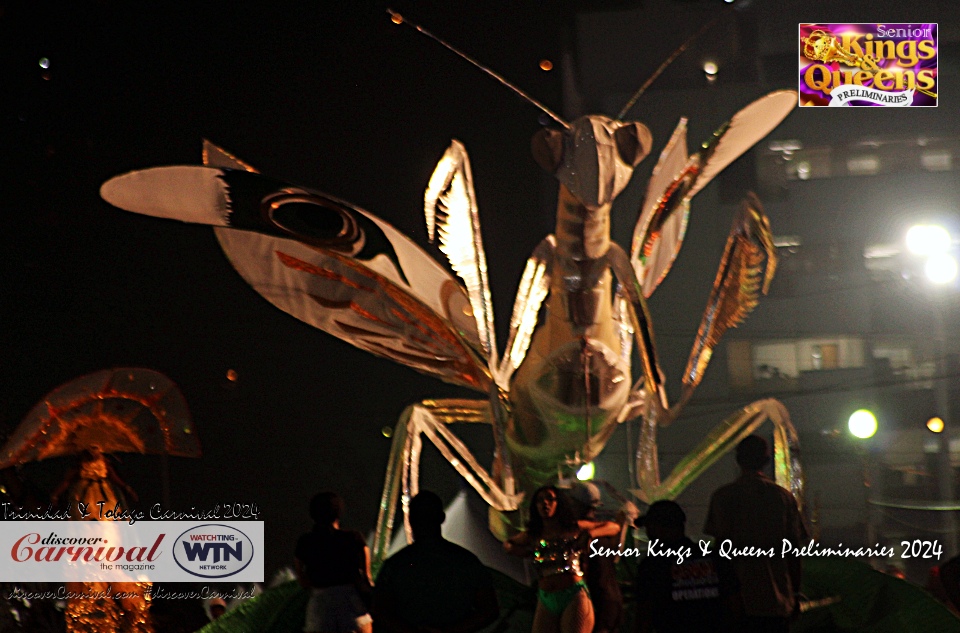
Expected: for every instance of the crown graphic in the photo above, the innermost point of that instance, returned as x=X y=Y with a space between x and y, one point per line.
x=822 y=46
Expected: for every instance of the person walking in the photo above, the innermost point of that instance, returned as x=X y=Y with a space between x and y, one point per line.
x=335 y=565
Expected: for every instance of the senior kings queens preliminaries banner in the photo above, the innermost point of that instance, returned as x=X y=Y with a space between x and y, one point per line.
x=885 y=65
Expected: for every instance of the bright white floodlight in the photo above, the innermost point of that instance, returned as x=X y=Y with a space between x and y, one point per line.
x=941 y=268
x=928 y=239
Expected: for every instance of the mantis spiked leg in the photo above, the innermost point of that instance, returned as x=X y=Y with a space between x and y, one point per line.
x=719 y=441
x=431 y=418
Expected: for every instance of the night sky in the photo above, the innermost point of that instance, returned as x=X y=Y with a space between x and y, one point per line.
x=341 y=100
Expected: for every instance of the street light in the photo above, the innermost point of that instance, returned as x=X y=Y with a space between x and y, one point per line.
x=941 y=268
x=928 y=239
x=862 y=424
x=934 y=242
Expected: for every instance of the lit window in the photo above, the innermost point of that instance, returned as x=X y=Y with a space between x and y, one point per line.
x=807 y=164
x=831 y=353
x=787 y=241
x=863 y=165
x=936 y=160
x=775 y=360
x=785 y=360
x=790 y=145
x=898 y=355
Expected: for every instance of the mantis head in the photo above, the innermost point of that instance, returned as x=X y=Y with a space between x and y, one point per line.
x=593 y=158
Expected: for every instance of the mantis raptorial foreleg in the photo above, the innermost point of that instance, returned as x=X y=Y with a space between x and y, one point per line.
x=430 y=418
x=723 y=438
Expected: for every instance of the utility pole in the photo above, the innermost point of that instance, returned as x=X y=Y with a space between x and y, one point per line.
x=945 y=483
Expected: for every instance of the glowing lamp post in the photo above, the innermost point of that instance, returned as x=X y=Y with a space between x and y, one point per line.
x=862 y=424
x=927 y=239
x=934 y=242
x=935 y=425
x=941 y=268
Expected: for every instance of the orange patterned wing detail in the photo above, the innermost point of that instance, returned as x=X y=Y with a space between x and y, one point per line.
x=348 y=299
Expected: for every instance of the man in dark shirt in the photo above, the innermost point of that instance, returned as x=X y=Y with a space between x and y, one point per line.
x=433 y=585
x=679 y=590
x=754 y=512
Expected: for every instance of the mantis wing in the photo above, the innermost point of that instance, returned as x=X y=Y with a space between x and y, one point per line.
x=450 y=209
x=533 y=289
x=216 y=156
x=663 y=219
x=324 y=261
x=745 y=129
x=746 y=269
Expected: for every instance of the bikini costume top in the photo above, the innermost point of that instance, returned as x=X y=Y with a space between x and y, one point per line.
x=558 y=556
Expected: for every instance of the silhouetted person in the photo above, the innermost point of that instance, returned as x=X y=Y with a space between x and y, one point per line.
x=433 y=585
x=599 y=572
x=681 y=596
x=950 y=581
x=335 y=565
x=753 y=511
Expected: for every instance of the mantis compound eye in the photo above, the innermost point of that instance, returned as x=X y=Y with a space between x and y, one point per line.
x=633 y=142
x=547 y=148
x=312 y=219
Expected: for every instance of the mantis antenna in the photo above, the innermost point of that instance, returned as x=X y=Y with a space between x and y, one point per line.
x=659 y=71
x=396 y=18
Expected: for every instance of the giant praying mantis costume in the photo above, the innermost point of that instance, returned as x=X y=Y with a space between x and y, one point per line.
x=560 y=389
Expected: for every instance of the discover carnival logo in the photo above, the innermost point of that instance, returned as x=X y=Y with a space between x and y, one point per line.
x=868 y=64
x=96 y=549
x=213 y=551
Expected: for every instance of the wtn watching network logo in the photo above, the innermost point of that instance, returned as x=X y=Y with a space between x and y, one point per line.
x=213 y=551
